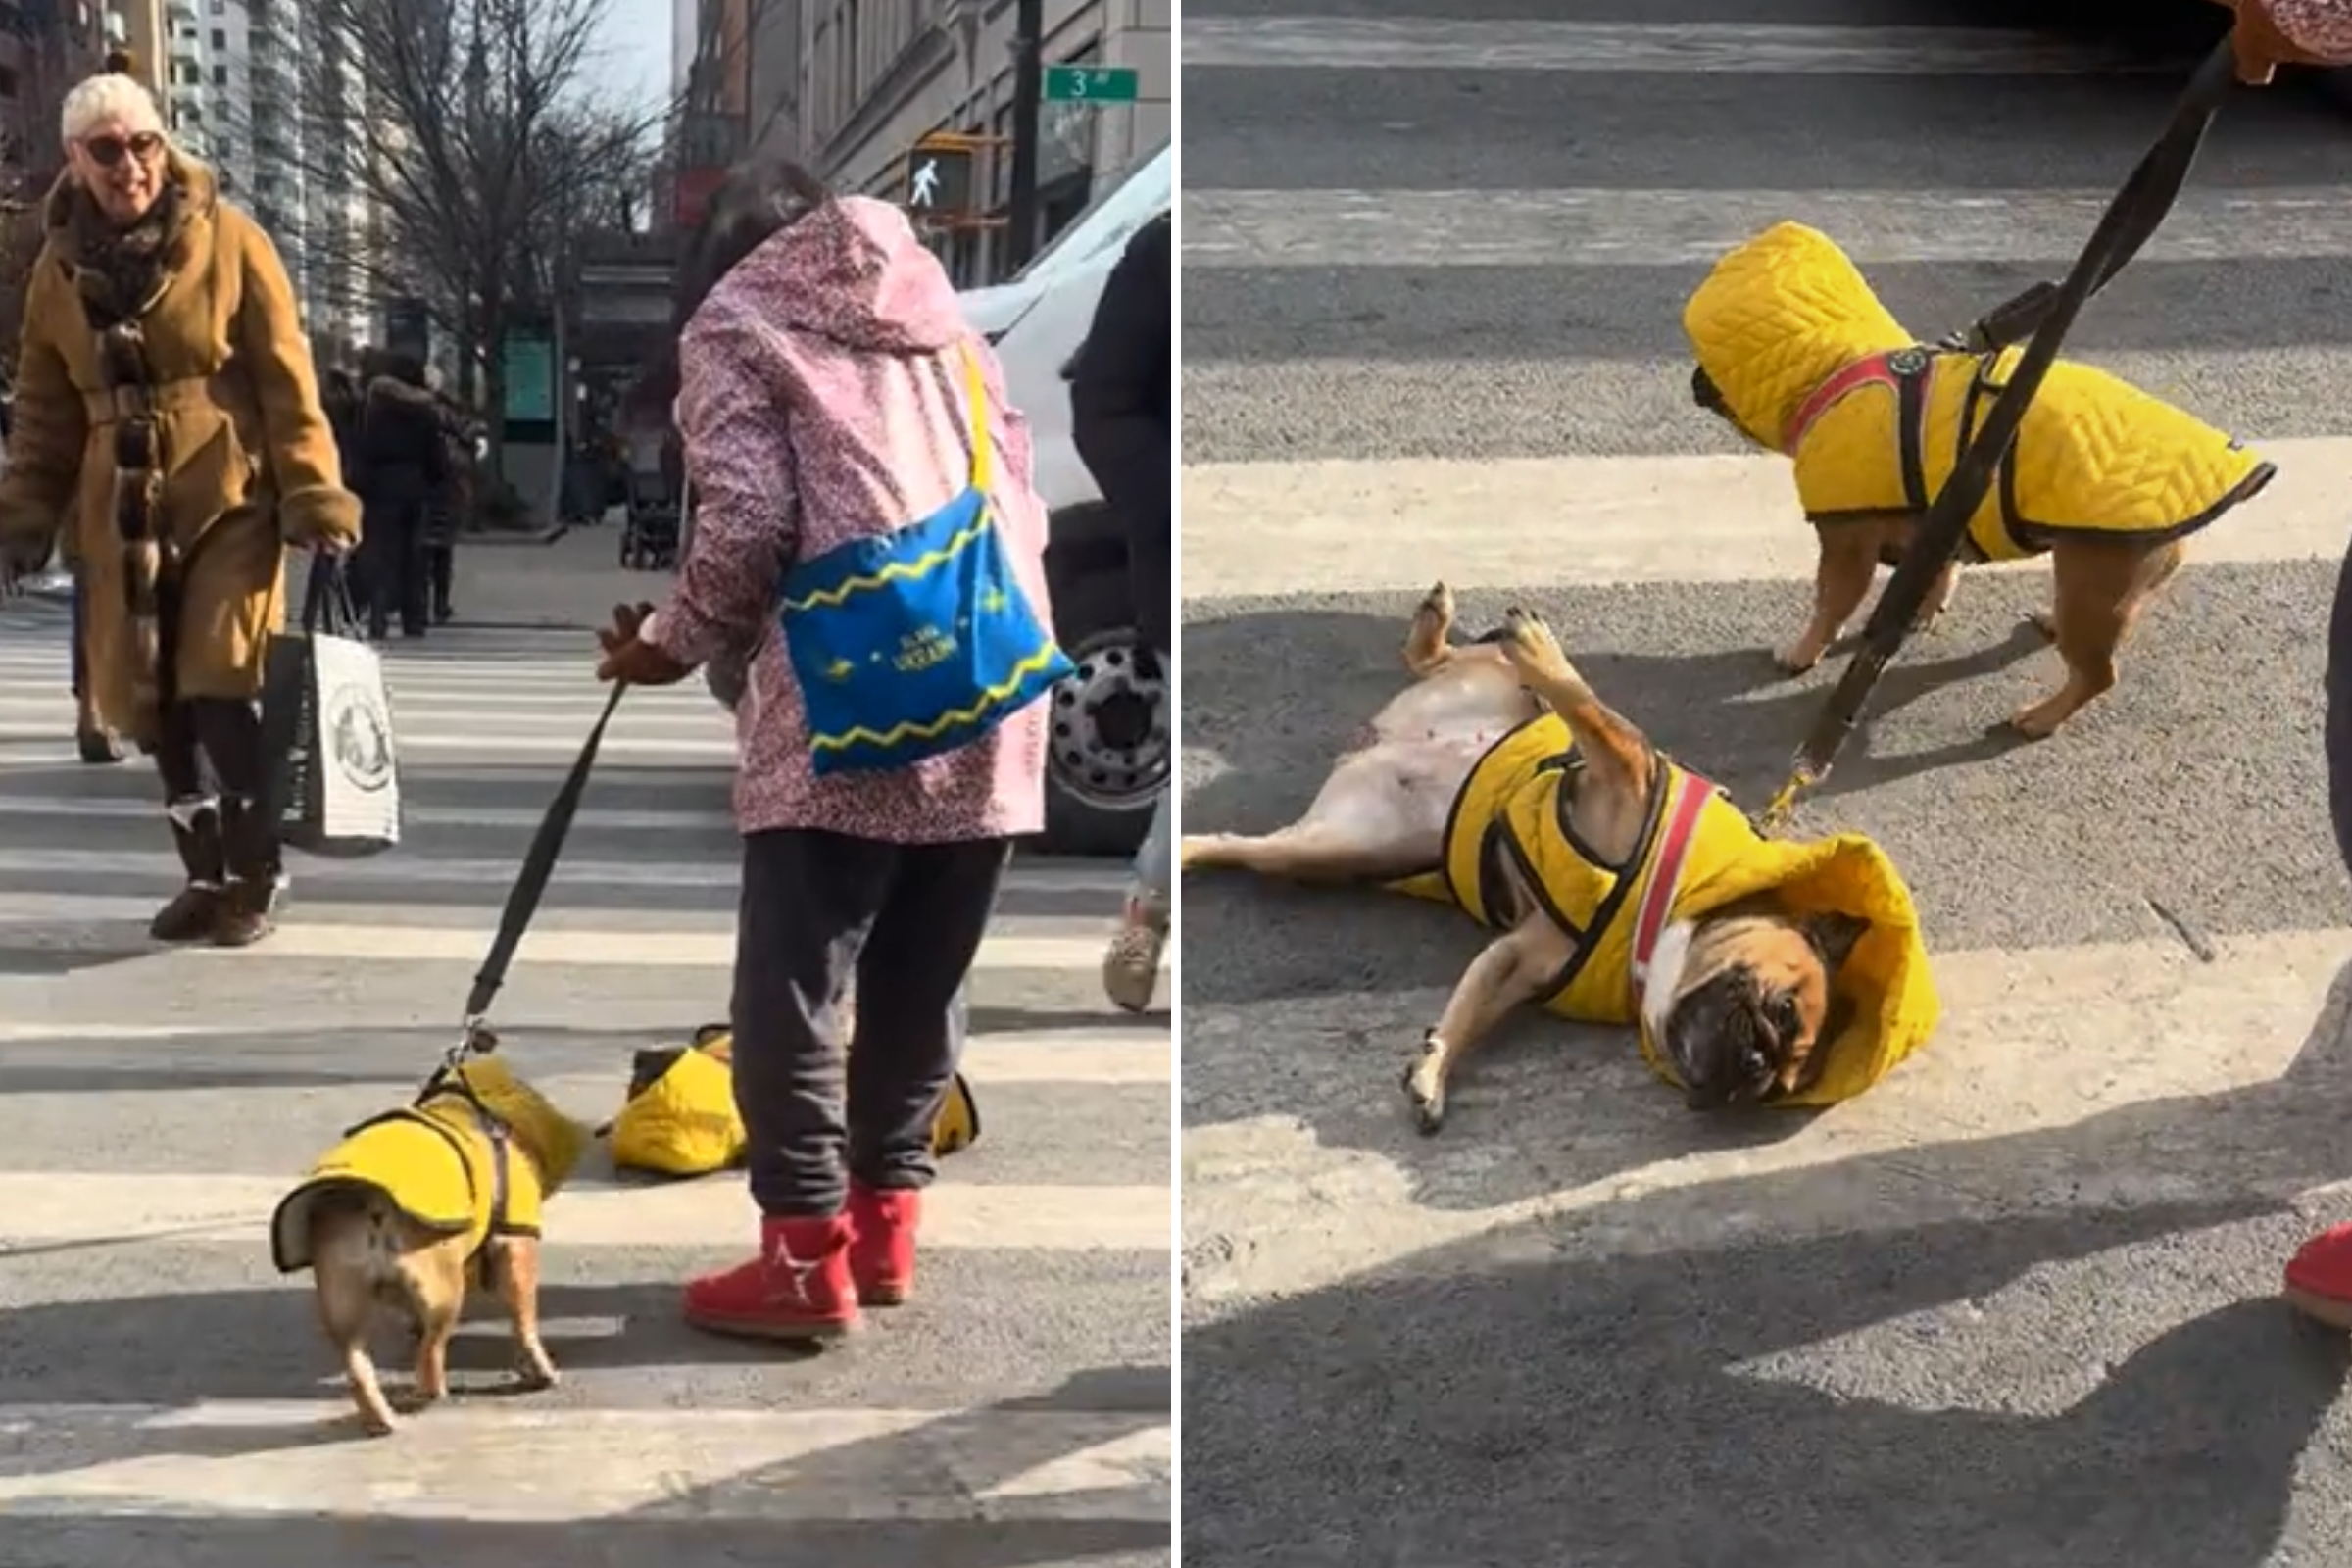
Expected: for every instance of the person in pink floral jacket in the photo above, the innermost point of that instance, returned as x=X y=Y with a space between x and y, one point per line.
x=822 y=373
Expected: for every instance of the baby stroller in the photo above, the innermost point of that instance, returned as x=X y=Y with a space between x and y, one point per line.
x=649 y=537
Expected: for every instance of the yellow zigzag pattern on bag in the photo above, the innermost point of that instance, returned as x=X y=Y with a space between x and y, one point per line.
x=897 y=570
x=932 y=731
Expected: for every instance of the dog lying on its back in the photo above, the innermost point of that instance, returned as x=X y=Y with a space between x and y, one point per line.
x=1621 y=888
x=414 y=1207
x=1795 y=351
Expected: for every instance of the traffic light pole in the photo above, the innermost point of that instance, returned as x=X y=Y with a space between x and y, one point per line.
x=1028 y=96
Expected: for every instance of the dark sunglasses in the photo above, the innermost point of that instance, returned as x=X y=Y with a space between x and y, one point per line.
x=108 y=151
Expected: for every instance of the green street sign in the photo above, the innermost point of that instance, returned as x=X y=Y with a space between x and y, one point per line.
x=1090 y=84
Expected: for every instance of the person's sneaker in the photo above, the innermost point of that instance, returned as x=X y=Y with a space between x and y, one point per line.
x=1131 y=966
x=2318 y=1278
x=193 y=915
x=882 y=1227
x=798 y=1288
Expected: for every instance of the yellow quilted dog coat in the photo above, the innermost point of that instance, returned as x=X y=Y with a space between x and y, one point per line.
x=1511 y=806
x=439 y=1163
x=680 y=1118
x=1809 y=363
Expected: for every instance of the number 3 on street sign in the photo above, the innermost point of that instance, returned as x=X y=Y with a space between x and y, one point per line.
x=1096 y=85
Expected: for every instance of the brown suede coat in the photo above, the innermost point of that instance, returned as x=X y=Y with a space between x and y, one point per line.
x=248 y=463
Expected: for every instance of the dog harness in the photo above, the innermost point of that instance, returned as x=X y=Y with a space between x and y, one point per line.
x=447 y=1161
x=1696 y=853
x=1811 y=364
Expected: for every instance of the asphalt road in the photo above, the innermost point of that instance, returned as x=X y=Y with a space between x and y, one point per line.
x=2011 y=1310
x=164 y=1391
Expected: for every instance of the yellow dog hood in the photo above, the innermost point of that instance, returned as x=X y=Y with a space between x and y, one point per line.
x=1883 y=993
x=1777 y=317
x=438 y=1163
x=1511 y=806
x=680 y=1118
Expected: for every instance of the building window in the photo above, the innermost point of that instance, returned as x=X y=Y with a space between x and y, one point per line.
x=220 y=75
x=8 y=81
x=220 y=37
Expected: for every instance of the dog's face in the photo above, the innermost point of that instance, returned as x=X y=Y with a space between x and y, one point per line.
x=1754 y=1004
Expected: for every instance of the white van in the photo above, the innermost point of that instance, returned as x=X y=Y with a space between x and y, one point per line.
x=1113 y=727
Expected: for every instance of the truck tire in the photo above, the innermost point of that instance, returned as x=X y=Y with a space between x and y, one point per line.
x=1110 y=748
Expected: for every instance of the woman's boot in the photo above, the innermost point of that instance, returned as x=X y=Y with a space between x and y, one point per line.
x=249 y=901
x=194 y=911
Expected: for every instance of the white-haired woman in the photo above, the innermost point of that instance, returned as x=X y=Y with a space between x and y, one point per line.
x=167 y=411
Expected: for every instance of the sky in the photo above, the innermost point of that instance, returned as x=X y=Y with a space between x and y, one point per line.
x=634 y=49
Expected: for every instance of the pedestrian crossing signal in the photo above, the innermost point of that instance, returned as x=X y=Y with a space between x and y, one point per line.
x=938 y=181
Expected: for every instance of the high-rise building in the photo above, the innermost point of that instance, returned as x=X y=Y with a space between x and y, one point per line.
x=254 y=89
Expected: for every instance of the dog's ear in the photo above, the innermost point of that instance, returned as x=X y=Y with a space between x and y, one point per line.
x=1833 y=936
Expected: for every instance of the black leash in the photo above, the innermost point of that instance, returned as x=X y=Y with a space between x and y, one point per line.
x=2044 y=314
x=530 y=886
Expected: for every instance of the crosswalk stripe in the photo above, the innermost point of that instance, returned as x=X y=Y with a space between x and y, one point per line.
x=174 y=1106
x=505 y=1463
x=1604 y=227
x=54 y=1208
x=1381 y=43
x=1098 y=1057
x=1612 y=520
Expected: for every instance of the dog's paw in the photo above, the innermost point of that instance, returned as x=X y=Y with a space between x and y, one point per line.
x=415 y=1400
x=1795 y=658
x=2044 y=621
x=534 y=1373
x=1437 y=605
x=1529 y=643
x=1425 y=1084
x=2043 y=719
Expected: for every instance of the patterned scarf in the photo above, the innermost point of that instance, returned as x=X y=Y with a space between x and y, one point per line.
x=120 y=274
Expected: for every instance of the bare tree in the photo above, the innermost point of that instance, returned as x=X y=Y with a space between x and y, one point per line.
x=447 y=151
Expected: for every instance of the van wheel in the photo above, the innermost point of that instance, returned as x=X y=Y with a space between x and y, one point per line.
x=1110 y=733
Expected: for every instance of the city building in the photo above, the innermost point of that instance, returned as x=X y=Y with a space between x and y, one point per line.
x=238 y=96
x=871 y=78
x=45 y=47
x=209 y=83
x=850 y=87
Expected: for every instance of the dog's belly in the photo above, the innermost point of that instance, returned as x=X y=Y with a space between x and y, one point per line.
x=1400 y=792
x=1467 y=708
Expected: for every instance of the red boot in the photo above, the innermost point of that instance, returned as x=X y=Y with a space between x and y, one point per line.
x=797 y=1289
x=882 y=1223
x=2318 y=1278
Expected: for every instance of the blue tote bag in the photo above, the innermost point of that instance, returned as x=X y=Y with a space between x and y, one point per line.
x=921 y=640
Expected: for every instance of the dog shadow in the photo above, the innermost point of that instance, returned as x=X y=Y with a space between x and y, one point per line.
x=2027 y=1351
x=816 y=1506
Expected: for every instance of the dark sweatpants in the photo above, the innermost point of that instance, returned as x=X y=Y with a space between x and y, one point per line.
x=208 y=756
x=900 y=922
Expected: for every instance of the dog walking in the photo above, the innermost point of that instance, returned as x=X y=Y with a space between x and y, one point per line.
x=839 y=417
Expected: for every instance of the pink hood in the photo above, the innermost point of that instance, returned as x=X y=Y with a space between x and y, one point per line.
x=853 y=272
x=824 y=399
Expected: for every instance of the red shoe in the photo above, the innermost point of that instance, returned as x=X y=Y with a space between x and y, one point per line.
x=2318 y=1278
x=797 y=1289
x=882 y=1223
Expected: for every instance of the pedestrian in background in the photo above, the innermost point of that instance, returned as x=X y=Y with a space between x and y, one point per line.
x=402 y=465
x=1120 y=407
x=453 y=499
x=185 y=445
x=826 y=399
